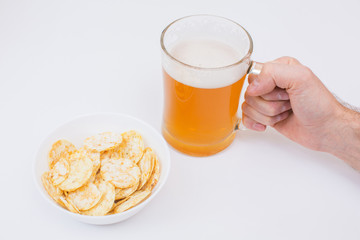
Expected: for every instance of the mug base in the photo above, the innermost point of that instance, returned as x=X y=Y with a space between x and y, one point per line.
x=197 y=150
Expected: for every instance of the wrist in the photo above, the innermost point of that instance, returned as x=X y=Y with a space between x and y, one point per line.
x=344 y=139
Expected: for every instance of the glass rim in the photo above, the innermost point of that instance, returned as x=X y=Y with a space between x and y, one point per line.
x=248 y=54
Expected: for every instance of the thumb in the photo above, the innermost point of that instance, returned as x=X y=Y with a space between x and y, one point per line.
x=273 y=75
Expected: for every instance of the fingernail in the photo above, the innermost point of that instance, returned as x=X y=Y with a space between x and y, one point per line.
x=258 y=127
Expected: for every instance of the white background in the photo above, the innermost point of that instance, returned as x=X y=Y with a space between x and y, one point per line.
x=60 y=59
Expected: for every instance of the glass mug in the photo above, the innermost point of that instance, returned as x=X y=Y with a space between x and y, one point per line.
x=205 y=60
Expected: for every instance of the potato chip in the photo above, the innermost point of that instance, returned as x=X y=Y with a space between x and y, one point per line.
x=60 y=171
x=133 y=200
x=103 y=141
x=98 y=179
x=85 y=197
x=132 y=146
x=106 y=202
x=117 y=203
x=81 y=168
x=122 y=172
x=69 y=205
x=53 y=191
x=121 y=193
x=146 y=166
x=105 y=154
x=95 y=158
x=110 y=153
x=154 y=178
x=60 y=149
x=104 y=176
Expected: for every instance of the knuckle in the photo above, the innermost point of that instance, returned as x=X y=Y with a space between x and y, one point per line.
x=293 y=60
x=273 y=109
x=269 y=96
x=288 y=60
x=307 y=73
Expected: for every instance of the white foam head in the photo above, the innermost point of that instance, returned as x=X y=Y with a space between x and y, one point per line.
x=206 y=51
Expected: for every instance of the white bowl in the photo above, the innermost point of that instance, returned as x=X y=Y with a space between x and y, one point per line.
x=77 y=130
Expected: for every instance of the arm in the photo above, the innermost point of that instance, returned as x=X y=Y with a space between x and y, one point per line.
x=290 y=98
x=345 y=140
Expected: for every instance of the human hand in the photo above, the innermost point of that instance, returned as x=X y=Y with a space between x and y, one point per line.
x=289 y=97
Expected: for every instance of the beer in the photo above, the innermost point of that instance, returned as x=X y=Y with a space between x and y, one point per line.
x=201 y=95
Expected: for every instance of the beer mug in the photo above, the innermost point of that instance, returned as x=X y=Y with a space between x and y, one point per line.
x=205 y=60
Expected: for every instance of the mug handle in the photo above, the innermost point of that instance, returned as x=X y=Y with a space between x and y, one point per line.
x=254 y=68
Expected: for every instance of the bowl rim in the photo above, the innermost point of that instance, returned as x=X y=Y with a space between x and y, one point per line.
x=130 y=211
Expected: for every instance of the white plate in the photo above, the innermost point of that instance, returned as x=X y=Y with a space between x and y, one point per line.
x=77 y=130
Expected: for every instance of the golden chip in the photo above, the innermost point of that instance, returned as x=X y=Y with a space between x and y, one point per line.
x=60 y=149
x=133 y=200
x=110 y=153
x=103 y=141
x=154 y=178
x=122 y=172
x=106 y=154
x=60 y=171
x=117 y=204
x=85 y=197
x=109 y=167
x=81 y=168
x=146 y=166
x=69 y=205
x=95 y=158
x=98 y=179
x=132 y=146
x=106 y=202
x=53 y=191
x=121 y=193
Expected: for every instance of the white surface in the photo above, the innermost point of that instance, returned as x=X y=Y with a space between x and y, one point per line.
x=77 y=130
x=60 y=59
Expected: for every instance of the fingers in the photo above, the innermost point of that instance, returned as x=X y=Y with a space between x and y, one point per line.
x=256 y=116
x=268 y=108
x=267 y=98
x=281 y=60
x=253 y=125
x=276 y=94
x=287 y=60
x=278 y=74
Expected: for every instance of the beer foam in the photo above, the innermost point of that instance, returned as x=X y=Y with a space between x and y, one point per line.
x=205 y=53
x=209 y=61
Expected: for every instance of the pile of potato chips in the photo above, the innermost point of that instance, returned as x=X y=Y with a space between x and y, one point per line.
x=110 y=174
